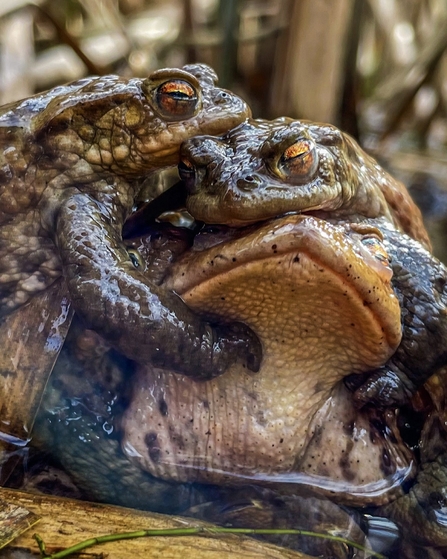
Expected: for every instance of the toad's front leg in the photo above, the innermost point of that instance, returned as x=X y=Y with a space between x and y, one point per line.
x=140 y=319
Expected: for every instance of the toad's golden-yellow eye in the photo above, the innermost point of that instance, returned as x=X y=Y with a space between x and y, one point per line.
x=299 y=161
x=176 y=99
x=136 y=259
x=376 y=248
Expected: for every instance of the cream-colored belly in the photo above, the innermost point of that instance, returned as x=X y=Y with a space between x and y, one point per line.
x=260 y=426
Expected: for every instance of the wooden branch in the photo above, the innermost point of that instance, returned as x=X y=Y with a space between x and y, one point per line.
x=65 y=522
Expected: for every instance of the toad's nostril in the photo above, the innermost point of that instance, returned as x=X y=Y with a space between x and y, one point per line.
x=187 y=173
x=222 y=97
x=247 y=183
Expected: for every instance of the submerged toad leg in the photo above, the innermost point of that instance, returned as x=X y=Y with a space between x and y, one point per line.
x=144 y=321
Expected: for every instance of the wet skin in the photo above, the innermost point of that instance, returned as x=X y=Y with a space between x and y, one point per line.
x=262 y=169
x=172 y=429
x=85 y=430
x=419 y=281
x=298 y=282
x=72 y=162
x=266 y=168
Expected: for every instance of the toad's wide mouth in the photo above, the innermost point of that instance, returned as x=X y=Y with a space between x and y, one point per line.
x=353 y=263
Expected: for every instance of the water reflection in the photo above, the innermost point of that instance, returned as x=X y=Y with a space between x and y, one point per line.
x=93 y=388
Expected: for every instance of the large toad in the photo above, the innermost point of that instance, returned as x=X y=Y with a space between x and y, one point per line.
x=72 y=162
x=319 y=296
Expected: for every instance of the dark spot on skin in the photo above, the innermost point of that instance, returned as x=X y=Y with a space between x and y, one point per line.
x=163 y=407
x=274 y=247
x=208 y=432
x=319 y=386
x=206 y=404
x=348 y=474
x=317 y=435
x=296 y=259
x=348 y=428
x=153 y=447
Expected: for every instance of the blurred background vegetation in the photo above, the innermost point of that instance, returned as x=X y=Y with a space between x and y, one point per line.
x=375 y=68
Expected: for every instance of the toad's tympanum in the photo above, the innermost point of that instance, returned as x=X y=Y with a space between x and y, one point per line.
x=72 y=161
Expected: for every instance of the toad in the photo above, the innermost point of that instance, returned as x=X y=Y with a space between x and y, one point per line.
x=419 y=281
x=288 y=425
x=72 y=163
x=319 y=296
x=263 y=168
x=266 y=168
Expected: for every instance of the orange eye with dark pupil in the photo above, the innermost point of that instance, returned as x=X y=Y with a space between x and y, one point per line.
x=299 y=160
x=176 y=99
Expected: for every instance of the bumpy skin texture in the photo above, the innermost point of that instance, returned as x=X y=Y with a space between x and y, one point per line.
x=297 y=282
x=420 y=283
x=168 y=429
x=266 y=168
x=263 y=168
x=83 y=443
x=71 y=163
